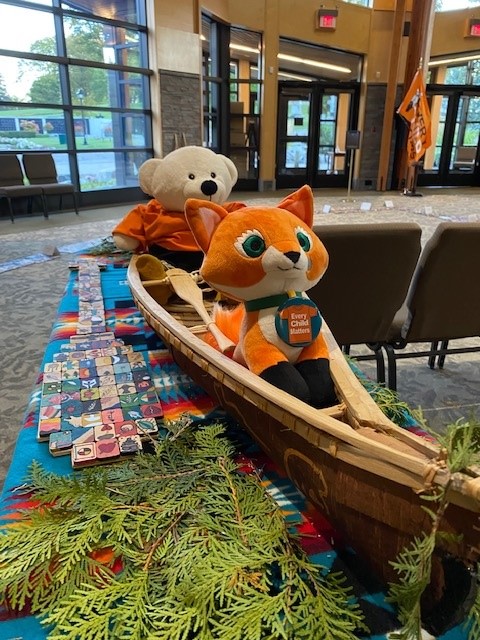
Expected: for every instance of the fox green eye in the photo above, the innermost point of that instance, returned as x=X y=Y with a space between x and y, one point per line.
x=304 y=240
x=254 y=246
x=251 y=244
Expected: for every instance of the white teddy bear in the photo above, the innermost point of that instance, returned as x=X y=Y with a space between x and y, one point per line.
x=159 y=227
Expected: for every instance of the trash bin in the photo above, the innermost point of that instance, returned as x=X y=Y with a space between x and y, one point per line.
x=62 y=138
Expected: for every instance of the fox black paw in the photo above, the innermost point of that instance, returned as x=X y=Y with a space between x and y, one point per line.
x=286 y=377
x=316 y=374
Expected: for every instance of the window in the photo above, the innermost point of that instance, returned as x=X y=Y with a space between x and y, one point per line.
x=77 y=85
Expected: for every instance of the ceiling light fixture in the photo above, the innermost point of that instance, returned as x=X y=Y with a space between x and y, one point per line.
x=293 y=76
x=241 y=47
x=314 y=63
x=438 y=63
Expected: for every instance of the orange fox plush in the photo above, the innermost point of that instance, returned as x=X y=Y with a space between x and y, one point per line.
x=267 y=257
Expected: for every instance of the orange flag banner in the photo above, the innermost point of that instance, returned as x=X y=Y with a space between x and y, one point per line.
x=415 y=110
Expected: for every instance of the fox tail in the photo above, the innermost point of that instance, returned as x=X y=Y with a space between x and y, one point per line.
x=228 y=320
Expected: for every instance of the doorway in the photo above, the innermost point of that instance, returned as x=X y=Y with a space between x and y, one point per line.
x=313 y=120
x=453 y=158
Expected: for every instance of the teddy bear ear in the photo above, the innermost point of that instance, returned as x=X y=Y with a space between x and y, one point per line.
x=203 y=218
x=300 y=203
x=145 y=174
x=231 y=168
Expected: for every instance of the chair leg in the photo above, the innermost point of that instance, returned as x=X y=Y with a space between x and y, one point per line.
x=75 y=204
x=10 y=210
x=44 y=205
x=433 y=357
x=441 y=357
x=380 y=366
x=392 y=367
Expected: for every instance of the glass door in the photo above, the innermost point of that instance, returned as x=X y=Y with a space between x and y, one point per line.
x=313 y=121
x=453 y=158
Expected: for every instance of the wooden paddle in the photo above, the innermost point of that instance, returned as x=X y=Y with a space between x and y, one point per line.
x=188 y=290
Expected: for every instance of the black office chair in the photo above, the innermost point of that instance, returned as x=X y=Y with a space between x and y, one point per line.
x=443 y=301
x=367 y=279
x=40 y=170
x=12 y=185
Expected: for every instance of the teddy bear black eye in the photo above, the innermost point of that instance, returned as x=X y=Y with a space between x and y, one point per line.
x=191 y=176
x=213 y=175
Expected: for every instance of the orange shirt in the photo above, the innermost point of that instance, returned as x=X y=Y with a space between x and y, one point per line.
x=151 y=224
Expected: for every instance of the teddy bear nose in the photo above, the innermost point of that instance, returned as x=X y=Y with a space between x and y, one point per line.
x=209 y=187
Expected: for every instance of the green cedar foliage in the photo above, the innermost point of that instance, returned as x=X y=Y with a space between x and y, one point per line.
x=205 y=553
x=461 y=443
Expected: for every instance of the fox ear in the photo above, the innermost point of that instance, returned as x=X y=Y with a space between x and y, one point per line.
x=203 y=218
x=300 y=203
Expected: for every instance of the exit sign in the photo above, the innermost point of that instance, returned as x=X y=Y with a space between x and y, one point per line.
x=473 y=28
x=327 y=19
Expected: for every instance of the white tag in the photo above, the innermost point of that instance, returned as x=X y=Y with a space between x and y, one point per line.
x=365 y=206
x=326 y=208
x=428 y=211
x=389 y=204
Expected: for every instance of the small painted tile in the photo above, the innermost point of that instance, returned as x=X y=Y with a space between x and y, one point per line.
x=147 y=425
x=107 y=449
x=122 y=377
x=132 y=413
x=69 y=386
x=51 y=387
x=105 y=370
x=151 y=410
x=87 y=372
x=104 y=431
x=129 y=400
x=87 y=363
x=89 y=383
x=83 y=454
x=126 y=388
x=141 y=375
x=60 y=357
x=147 y=397
x=77 y=355
x=125 y=428
x=70 y=396
x=51 y=400
x=52 y=366
x=91 y=419
x=91 y=406
x=71 y=421
x=130 y=444
x=70 y=374
x=53 y=376
x=71 y=408
x=60 y=442
x=48 y=426
x=107 y=381
x=82 y=435
x=49 y=412
x=112 y=402
x=122 y=367
x=112 y=415
x=108 y=391
x=102 y=361
x=90 y=393
x=137 y=357
x=93 y=353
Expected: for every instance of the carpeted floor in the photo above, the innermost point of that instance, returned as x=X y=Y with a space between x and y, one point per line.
x=35 y=254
